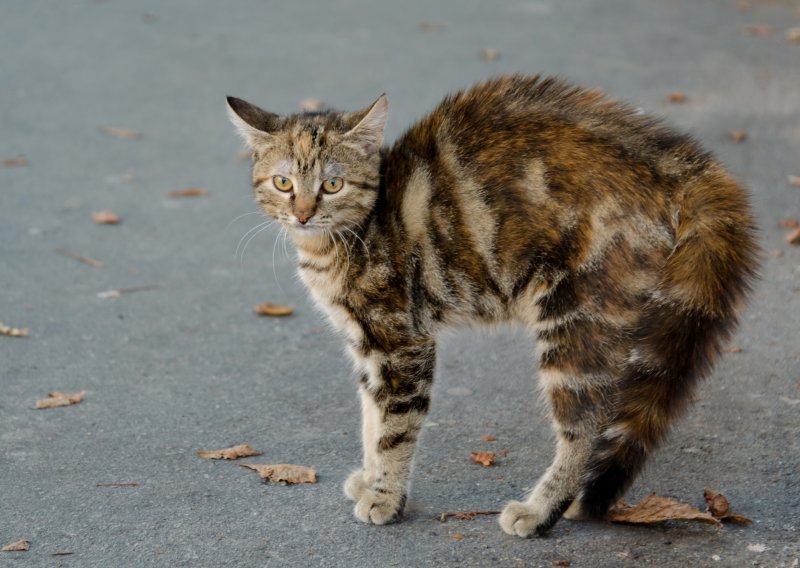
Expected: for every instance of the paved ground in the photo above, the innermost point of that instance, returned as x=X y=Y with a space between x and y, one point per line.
x=187 y=366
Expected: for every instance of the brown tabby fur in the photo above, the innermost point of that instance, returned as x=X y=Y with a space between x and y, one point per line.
x=624 y=247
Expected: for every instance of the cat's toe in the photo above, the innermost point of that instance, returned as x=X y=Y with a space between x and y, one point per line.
x=379 y=508
x=524 y=519
x=355 y=486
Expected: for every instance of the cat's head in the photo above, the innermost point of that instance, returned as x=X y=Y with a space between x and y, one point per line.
x=314 y=172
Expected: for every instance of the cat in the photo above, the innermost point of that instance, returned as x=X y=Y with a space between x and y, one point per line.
x=623 y=246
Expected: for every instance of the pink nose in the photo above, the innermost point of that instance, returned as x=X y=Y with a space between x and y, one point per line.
x=303 y=216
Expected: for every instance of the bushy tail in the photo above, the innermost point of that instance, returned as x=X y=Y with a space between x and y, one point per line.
x=692 y=313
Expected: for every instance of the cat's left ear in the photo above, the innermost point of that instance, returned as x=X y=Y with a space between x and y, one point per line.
x=254 y=124
x=368 y=133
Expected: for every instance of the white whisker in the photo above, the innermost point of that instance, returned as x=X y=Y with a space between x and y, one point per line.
x=256 y=228
x=264 y=227
x=228 y=226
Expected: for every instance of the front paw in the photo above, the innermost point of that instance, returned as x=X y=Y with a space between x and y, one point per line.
x=525 y=519
x=373 y=505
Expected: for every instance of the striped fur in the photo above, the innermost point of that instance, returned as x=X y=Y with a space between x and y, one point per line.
x=623 y=246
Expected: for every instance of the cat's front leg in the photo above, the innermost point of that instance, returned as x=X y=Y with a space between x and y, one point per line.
x=395 y=395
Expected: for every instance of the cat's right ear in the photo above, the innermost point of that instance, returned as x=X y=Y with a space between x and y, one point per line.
x=253 y=124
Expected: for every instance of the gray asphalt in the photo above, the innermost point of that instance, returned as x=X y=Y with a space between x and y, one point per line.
x=187 y=365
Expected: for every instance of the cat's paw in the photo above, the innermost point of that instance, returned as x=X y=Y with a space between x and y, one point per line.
x=574 y=512
x=355 y=486
x=373 y=506
x=525 y=519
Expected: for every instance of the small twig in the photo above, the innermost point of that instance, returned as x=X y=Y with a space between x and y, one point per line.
x=121 y=484
x=84 y=259
x=117 y=292
x=464 y=515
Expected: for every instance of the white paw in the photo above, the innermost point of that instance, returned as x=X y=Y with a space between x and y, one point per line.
x=574 y=512
x=523 y=519
x=355 y=486
x=373 y=506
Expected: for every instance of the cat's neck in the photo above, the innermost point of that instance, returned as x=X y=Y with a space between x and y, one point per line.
x=330 y=255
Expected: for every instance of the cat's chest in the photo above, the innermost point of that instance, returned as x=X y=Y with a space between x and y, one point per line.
x=325 y=289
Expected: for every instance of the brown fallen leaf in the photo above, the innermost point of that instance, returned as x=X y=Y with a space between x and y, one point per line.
x=464 y=515
x=732 y=349
x=431 y=27
x=456 y=536
x=118 y=484
x=19 y=546
x=760 y=30
x=19 y=161
x=488 y=438
x=120 y=132
x=9 y=331
x=105 y=217
x=793 y=238
x=793 y=180
x=232 y=453
x=718 y=506
x=788 y=223
x=312 y=105
x=560 y=563
x=737 y=135
x=80 y=258
x=283 y=473
x=61 y=553
x=274 y=310
x=484 y=458
x=57 y=398
x=656 y=509
x=189 y=192
x=677 y=97
x=489 y=54
x=793 y=35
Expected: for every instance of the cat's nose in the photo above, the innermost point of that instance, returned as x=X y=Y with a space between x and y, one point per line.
x=304 y=216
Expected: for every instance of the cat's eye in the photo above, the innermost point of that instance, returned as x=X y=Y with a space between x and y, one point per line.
x=282 y=183
x=332 y=185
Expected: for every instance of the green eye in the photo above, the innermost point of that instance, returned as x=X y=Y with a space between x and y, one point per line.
x=282 y=183
x=332 y=185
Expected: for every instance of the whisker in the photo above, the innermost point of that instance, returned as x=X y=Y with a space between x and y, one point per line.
x=256 y=228
x=274 y=271
x=264 y=227
x=228 y=226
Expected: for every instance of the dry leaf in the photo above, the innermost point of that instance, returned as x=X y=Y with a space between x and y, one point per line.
x=788 y=223
x=56 y=398
x=718 y=506
x=9 y=331
x=189 y=192
x=19 y=546
x=274 y=310
x=760 y=30
x=737 y=135
x=656 y=509
x=120 y=132
x=456 y=536
x=15 y=162
x=793 y=35
x=794 y=180
x=484 y=458
x=80 y=258
x=560 y=563
x=283 y=473
x=105 y=217
x=312 y=105
x=488 y=438
x=118 y=484
x=732 y=349
x=489 y=54
x=465 y=515
x=793 y=238
x=677 y=97
x=430 y=27
x=232 y=453
x=61 y=553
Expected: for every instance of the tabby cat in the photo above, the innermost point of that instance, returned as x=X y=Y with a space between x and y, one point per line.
x=624 y=247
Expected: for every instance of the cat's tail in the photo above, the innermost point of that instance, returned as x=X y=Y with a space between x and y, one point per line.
x=691 y=314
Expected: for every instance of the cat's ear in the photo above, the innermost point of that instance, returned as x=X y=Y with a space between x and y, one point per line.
x=253 y=124
x=368 y=133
